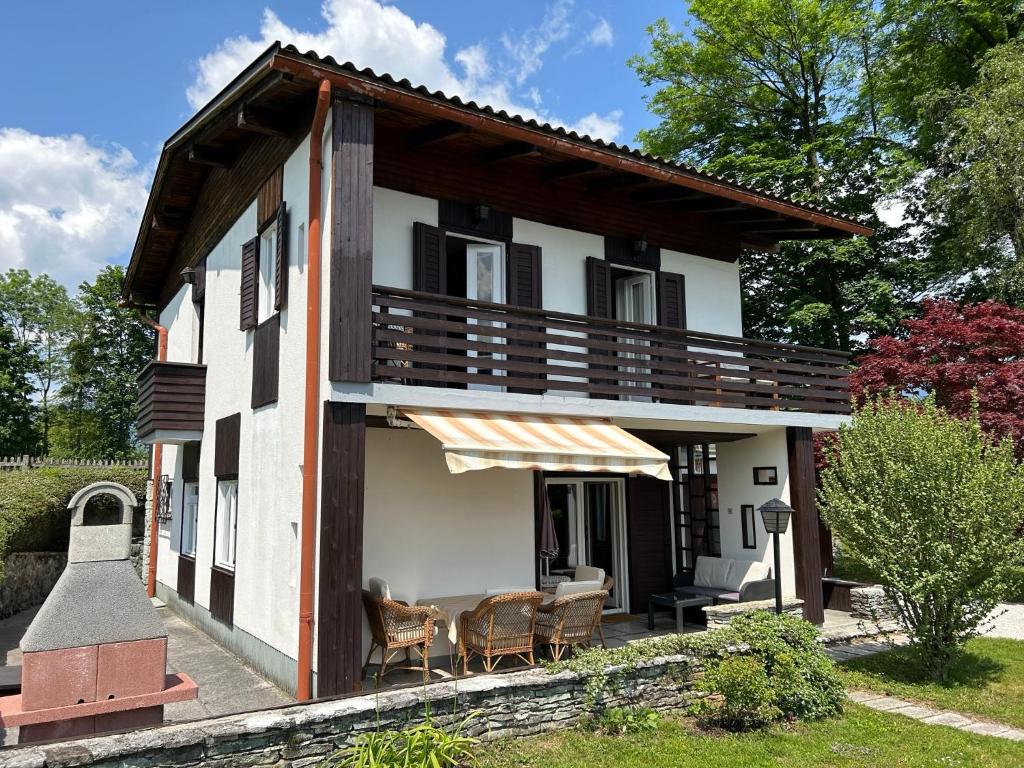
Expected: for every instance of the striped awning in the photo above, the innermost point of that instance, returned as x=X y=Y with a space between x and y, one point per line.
x=475 y=440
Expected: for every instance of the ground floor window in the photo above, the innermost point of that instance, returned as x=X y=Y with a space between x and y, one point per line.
x=226 y=524
x=695 y=504
x=189 y=518
x=589 y=517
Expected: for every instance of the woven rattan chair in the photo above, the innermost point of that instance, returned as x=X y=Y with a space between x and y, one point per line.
x=499 y=626
x=396 y=626
x=609 y=584
x=569 y=621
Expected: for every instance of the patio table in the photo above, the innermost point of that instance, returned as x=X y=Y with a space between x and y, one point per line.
x=679 y=601
x=450 y=609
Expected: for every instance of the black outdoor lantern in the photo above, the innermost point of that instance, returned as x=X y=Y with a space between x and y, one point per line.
x=188 y=275
x=775 y=514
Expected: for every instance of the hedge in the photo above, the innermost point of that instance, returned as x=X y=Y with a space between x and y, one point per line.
x=34 y=503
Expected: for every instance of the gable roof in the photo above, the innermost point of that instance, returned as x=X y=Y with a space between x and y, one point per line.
x=284 y=76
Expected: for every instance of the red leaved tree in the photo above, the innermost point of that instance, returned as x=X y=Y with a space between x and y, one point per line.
x=953 y=351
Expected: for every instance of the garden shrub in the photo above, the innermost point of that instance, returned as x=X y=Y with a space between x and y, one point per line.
x=622 y=721
x=803 y=681
x=931 y=507
x=34 y=503
x=420 y=746
x=740 y=695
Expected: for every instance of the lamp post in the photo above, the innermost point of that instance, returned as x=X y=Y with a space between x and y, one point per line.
x=775 y=514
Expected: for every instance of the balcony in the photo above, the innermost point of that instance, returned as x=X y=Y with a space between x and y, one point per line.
x=171 y=402
x=430 y=340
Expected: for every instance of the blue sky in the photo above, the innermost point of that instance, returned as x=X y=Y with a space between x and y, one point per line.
x=98 y=87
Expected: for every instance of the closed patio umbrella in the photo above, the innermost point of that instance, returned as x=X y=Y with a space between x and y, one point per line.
x=548 y=536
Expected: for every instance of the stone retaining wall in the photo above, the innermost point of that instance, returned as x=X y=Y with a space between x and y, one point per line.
x=720 y=615
x=871 y=603
x=511 y=704
x=28 y=579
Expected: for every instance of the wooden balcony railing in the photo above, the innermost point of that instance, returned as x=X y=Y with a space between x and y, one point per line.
x=431 y=340
x=172 y=399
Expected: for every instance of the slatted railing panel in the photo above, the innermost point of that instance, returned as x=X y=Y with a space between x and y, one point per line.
x=425 y=339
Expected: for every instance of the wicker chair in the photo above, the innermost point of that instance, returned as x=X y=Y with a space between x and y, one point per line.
x=609 y=584
x=499 y=626
x=569 y=621
x=395 y=626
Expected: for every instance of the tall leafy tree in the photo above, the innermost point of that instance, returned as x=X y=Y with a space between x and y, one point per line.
x=39 y=313
x=770 y=92
x=109 y=348
x=16 y=407
x=976 y=197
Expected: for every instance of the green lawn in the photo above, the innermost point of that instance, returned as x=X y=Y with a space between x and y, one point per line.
x=988 y=680
x=861 y=737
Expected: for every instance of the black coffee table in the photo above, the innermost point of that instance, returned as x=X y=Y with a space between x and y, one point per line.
x=679 y=601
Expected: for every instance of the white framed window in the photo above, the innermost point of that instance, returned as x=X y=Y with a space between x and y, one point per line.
x=485 y=281
x=226 y=524
x=189 y=518
x=268 y=285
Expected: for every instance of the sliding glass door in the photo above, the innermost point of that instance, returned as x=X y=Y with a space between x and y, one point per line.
x=590 y=521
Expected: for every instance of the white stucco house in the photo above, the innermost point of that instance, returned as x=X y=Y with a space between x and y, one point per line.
x=363 y=282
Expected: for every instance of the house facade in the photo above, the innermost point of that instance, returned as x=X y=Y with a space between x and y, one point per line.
x=358 y=279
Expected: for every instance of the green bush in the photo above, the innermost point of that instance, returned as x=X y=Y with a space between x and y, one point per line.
x=421 y=746
x=621 y=721
x=803 y=680
x=932 y=507
x=34 y=503
x=740 y=695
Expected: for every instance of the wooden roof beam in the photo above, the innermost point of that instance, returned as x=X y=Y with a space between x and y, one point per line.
x=618 y=181
x=434 y=133
x=746 y=216
x=508 y=151
x=778 y=228
x=667 y=195
x=204 y=154
x=264 y=121
x=569 y=169
x=707 y=205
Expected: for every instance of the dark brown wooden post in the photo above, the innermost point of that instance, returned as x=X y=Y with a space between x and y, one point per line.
x=339 y=595
x=351 y=286
x=806 y=550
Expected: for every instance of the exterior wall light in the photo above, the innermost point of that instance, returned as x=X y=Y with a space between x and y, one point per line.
x=640 y=246
x=188 y=274
x=482 y=212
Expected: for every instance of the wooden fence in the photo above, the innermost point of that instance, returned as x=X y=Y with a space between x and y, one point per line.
x=36 y=462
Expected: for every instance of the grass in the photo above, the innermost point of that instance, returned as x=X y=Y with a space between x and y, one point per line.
x=861 y=737
x=988 y=679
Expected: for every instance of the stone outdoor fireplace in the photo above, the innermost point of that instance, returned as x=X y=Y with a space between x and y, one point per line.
x=94 y=658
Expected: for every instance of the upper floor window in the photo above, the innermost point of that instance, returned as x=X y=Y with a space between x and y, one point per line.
x=267 y=303
x=226 y=524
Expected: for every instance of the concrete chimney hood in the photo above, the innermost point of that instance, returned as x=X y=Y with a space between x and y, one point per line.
x=94 y=658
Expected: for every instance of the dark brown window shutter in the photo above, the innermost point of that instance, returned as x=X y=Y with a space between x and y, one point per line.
x=190 y=462
x=524 y=290
x=671 y=300
x=266 y=361
x=524 y=276
x=250 y=290
x=599 y=288
x=281 y=259
x=227 y=443
x=429 y=263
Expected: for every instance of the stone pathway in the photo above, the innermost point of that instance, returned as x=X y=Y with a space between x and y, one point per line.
x=932 y=716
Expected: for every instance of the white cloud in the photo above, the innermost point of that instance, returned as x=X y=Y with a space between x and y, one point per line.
x=370 y=33
x=600 y=126
x=67 y=207
x=601 y=34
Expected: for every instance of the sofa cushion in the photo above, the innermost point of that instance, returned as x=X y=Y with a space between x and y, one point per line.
x=589 y=573
x=379 y=588
x=742 y=571
x=711 y=572
x=577 y=587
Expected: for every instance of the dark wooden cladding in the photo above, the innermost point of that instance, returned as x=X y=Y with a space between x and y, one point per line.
x=806 y=552
x=269 y=198
x=340 y=613
x=266 y=344
x=599 y=288
x=172 y=398
x=190 y=461
x=622 y=250
x=186 y=578
x=650 y=536
x=463 y=218
x=227 y=443
x=249 y=290
x=349 y=357
x=536 y=350
x=525 y=281
x=222 y=595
